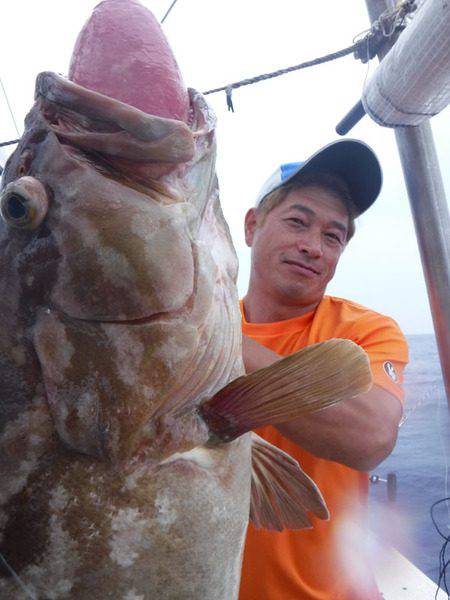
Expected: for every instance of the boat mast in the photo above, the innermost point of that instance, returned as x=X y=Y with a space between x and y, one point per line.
x=430 y=213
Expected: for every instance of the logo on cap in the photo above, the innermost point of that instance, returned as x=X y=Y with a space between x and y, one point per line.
x=390 y=371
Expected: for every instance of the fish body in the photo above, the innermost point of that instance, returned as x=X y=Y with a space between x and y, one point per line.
x=123 y=317
x=122 y=472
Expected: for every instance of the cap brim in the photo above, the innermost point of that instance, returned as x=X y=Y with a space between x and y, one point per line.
x=355 y=163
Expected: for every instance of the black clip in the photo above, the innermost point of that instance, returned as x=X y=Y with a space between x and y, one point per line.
x=228 y=92
x=369 y=46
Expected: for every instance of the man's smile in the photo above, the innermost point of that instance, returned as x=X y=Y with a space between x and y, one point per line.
x=301 y=267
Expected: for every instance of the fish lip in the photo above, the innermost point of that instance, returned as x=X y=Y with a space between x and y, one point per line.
x=160 y=316
x=164 y=316
x=138 y=321
x=169 y=315
x=302 y=265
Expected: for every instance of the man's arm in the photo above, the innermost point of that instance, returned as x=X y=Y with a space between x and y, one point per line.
x=359 y=432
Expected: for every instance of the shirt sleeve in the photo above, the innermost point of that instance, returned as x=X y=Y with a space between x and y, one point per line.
x=387 y=348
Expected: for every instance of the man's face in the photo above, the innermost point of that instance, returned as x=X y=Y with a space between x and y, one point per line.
x=296 y=249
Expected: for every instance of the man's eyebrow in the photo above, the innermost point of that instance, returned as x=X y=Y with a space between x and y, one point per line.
x=308 y=211
x=338 y=225
x=303 y=209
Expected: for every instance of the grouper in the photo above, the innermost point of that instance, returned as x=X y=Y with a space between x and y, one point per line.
x=128 y=466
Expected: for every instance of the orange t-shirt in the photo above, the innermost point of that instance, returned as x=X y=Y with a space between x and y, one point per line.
x=325 y=562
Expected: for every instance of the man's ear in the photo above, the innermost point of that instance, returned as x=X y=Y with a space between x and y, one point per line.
x=250 y=226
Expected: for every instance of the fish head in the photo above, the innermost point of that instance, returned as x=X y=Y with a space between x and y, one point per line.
x=113 y=239
x=113 y=216
x=119 y=261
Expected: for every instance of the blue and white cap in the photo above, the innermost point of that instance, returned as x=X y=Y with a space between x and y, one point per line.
x=351 y=160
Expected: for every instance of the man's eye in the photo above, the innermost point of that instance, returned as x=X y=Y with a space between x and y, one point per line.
x=334 y=237
x=296 y=221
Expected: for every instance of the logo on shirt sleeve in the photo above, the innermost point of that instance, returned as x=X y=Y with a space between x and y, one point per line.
x=390 y=371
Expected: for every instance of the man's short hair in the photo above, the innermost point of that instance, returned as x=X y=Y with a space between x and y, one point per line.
x=330 y=182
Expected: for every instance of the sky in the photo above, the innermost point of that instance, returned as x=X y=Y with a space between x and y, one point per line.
x=282 y=120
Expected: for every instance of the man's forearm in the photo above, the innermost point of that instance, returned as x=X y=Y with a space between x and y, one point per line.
x=256 y=356
x=359 y=432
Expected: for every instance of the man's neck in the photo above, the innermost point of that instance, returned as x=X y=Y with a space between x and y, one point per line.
x=262 y=310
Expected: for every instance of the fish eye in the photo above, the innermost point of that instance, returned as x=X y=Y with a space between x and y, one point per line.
x=24 y=203
x=15 y=207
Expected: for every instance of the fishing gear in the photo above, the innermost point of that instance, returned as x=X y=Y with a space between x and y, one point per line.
x=391 y=482
x=443 y=560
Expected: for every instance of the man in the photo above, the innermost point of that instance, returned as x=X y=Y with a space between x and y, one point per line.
x=300 y=226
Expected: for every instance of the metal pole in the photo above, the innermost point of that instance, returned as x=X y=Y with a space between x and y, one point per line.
x=431 y=217
x=376 y=7
x=432 y=223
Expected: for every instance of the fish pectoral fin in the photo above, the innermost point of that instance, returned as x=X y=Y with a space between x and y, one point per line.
x=311 y=379
x=282 y=494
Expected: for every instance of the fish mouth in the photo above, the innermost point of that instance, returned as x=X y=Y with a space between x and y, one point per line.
x=72 y=112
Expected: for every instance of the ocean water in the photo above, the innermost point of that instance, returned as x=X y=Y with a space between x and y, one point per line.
x=421 y=463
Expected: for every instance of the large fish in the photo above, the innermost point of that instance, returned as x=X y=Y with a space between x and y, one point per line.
x=125 y=458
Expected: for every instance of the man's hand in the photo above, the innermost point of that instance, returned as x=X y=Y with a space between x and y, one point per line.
x=359 y=432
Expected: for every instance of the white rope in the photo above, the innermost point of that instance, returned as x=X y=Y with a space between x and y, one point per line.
x=9 y=107
x=17 y=579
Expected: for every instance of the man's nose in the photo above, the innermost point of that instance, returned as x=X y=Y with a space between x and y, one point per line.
x=311 y=244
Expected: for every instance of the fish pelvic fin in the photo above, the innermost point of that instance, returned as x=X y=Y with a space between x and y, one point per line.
x=282 y=495
x=313 y=378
